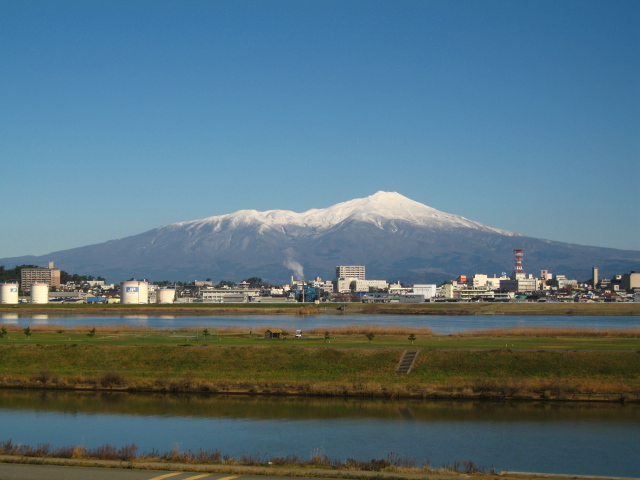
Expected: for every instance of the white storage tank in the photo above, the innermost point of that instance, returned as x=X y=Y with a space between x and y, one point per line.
x=39 y=293
x=165 y=295
x=134 y=292
x=9 y=293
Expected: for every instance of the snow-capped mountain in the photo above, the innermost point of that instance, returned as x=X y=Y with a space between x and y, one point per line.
x=393 y=236
x=377 y=209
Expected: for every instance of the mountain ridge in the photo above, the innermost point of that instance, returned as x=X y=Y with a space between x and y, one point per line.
x=387 y=205
x=395 y=237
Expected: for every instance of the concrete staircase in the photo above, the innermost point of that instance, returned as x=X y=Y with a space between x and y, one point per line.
x=407 y=361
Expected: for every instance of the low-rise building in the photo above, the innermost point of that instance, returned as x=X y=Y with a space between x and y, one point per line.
x=398 y=289
x=426 y=290
x=477 y=293
x=561 y=281
x=363 y=286
x=481 y=280
x=357 y=285
x=380 y=298
x=411 y=298
x=519 y=284
x=228 y=295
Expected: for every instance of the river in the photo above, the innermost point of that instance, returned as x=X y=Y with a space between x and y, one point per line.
x=444 y=324
x=589 y=439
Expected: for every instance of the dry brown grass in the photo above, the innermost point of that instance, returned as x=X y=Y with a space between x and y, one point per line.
x=52 y=328
x=271 y=465
x=518 y=331
x=380 y=330
x=137 y=329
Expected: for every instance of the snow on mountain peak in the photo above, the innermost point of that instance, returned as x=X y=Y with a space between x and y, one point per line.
x=378 y=208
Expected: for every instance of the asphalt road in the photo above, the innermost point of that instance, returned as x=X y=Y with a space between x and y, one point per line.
x=19 y=471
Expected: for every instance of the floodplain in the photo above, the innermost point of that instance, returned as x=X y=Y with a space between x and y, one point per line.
x=527 y=363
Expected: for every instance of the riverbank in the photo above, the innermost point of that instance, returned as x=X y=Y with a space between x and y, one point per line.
x=318 y=465
x=347 y=336
x=432 y=308
x=202 y=462
x=327 y=371
x=51 y=466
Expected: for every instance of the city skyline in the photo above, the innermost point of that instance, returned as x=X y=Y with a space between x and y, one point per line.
x=120 y=117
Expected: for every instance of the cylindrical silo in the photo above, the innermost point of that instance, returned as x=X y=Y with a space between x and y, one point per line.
x=9 y=293
x=134 y=292
x=165 y=295
x=39 y=293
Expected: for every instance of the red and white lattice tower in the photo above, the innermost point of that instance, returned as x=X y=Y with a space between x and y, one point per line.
x=519 y=271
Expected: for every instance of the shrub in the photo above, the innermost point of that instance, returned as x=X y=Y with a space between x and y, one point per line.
x=111 y=379
x=45 y=376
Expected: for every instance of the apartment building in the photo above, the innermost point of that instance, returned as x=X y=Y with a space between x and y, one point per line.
x=50 y=276
x=350 y=271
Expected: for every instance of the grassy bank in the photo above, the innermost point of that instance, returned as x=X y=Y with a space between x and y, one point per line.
x=325 y=371
x=333 y=309
x=272 y=465
x=349 y=336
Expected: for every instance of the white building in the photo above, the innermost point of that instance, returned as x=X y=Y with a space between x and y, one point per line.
x=446 y=291
x=355 y=285
x=397 y=289
x=474 y=293
x=520 y=283
x=363 y=286
x=343 y=285
x=350 y=271
x=228 y=295
x=481 y=280
x=561 y=281
x=323 y=286
x=426 y=290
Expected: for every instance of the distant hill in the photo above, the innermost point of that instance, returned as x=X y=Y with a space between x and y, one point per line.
x=394 y=237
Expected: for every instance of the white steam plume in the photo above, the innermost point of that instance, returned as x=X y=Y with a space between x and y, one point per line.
x=292 y=265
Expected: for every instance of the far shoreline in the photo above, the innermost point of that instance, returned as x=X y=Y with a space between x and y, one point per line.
x=431 y=308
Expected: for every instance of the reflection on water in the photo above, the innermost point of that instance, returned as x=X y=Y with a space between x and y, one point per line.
x=41 y=319
x=596 y=439
x=438 y=323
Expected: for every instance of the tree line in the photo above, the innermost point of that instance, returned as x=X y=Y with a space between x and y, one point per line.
x=8 y=275
x=13 y=275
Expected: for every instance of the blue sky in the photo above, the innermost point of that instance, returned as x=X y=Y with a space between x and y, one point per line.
x=120 y=116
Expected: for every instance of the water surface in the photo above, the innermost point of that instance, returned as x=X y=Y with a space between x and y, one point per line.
x=589 y=439
x=444 y=324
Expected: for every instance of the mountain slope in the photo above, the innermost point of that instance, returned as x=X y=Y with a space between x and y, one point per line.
x=393 y=236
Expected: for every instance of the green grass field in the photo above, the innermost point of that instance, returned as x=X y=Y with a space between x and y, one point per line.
x=310 y=370
x=524 y=363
